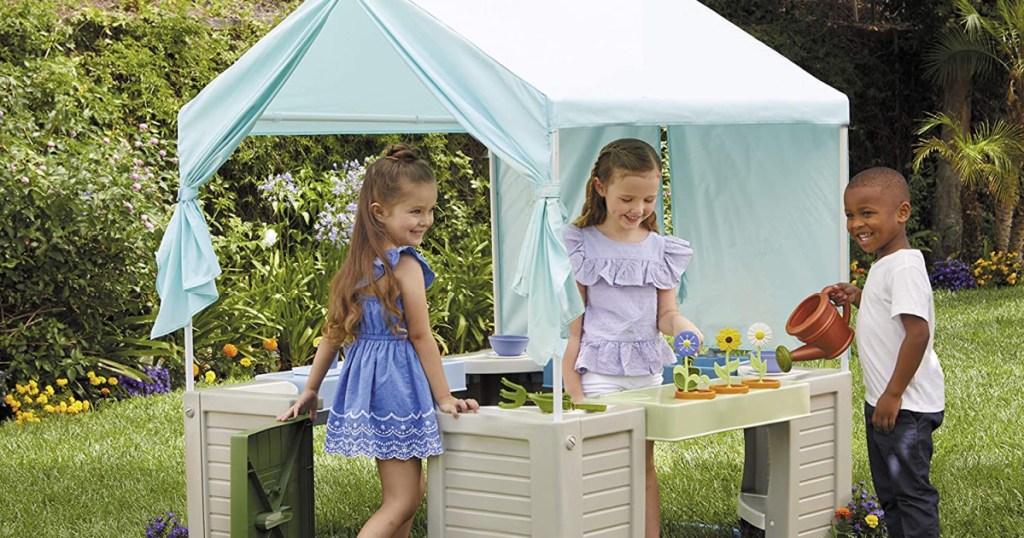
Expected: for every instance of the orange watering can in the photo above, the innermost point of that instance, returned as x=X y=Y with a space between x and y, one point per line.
x=817 y=323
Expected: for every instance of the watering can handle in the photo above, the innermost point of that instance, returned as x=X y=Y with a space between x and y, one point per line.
x=846 y=306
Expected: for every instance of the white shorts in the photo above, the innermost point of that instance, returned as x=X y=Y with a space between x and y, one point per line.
x=595 y=384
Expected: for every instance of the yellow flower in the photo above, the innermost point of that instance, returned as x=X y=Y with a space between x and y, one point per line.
x=195 y=369
x=93 y=380
x=49 y=408
x=112 y=381
x=27 y=399
x=49 y=390
x=728 y=339
x=62 y=382
x=210 y=376
x=90 y=374
x=230 y=351
x=270 y=344
x=871 y=520
x=9 y=399
x=246 y=362
x=63 y=406
x=41 y=399
x=22 y=389
x=85 y=405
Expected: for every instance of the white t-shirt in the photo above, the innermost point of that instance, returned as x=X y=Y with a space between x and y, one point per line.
x=898 y=284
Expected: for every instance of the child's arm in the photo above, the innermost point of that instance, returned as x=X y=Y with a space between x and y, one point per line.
x=670 y=321
x=570 y=376
x=307 y=401
x=911 y=353
x=843 y=291
x=417 y=319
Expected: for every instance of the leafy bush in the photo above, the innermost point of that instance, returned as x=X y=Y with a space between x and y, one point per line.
x=951 y=274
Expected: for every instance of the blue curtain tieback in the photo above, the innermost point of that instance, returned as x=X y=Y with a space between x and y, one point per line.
x=550 y=190
x=187 y=193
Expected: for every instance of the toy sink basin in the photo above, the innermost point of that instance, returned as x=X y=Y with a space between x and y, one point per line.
x=672 y=419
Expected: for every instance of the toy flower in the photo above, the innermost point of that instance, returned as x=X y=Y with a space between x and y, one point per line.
x=270 y=344
x=759 y=335
x=728 y=340
x=871 y=520
x=230 y=351
x=843 y=513
x=687 y=344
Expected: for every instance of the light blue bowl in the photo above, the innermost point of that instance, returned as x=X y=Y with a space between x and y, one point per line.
x=508 y=345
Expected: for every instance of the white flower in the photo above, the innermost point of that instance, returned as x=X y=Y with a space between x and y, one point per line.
x=759 y=335
x=269 y=238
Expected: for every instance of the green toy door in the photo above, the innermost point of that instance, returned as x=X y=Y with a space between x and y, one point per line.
x=272 y=481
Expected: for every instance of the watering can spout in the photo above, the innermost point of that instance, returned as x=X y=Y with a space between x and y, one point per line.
x=807 y=352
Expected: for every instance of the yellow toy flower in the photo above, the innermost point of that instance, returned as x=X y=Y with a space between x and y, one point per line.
x=230 y=351
x=270 y=344
x=62 y=382
x=871 y=520
x=728 y=339
x=210 y=376
x=246 y=362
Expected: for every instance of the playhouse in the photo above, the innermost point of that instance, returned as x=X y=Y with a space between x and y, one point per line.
x=757 y=151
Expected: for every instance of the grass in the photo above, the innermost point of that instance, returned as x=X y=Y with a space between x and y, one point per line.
x=107 y=472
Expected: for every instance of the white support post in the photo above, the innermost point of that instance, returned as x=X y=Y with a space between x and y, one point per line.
x=844 y=242
x=556 y=366
x=189 y=361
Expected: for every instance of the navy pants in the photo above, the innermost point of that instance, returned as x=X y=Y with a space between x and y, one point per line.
x=900 y=463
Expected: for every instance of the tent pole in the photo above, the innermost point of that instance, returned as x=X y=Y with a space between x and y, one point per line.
x=844 y=242
x=189 y=381
x=496 y=284
x=556 y=366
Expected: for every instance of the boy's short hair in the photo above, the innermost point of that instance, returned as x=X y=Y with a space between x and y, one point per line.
x=888 y=180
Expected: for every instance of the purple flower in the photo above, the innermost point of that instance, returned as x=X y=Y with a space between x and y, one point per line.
x=951 y=275
x=162 y=153
x=50 y=144
x=24 y=179
x=143 y=126
x=279 y=188
x=160 y=382
x=158 y=527
x=335 y=224
x=153 y=141
x=73 y=134
x=135 y=177
x=136 y=186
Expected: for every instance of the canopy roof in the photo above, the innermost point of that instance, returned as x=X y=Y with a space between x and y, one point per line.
x=510 y=73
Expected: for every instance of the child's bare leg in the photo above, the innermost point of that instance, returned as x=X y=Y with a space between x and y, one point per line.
x=401 y=494
x=652 y=511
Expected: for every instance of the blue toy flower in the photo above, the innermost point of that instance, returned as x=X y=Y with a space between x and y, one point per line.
x=687 y=344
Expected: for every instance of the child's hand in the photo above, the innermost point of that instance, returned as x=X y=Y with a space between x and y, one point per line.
x=844 y=293
x=453 y=406
x=306 y=403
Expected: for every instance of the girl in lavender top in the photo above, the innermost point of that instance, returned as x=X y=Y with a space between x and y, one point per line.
x=627 y=275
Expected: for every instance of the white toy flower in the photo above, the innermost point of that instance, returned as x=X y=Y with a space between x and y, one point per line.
x=759 y=335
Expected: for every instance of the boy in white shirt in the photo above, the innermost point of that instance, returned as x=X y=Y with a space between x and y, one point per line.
x=904 y=388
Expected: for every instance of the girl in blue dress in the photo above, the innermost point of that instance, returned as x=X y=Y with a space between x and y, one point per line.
x=392 y=376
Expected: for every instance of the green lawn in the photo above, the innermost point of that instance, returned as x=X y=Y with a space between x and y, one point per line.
x=106 y=472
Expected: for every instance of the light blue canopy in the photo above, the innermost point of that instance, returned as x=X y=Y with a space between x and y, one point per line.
x=535 y=80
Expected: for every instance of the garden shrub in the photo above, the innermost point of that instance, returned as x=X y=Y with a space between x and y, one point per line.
x=951 y=274
x=997 y=269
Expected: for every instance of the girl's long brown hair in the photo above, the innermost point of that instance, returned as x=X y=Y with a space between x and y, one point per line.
x=622 y=155
x=383 y=183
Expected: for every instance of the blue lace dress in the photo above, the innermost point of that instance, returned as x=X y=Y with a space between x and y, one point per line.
x=383 y=407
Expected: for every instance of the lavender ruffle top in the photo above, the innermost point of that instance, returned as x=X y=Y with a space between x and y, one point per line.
x=620 y=327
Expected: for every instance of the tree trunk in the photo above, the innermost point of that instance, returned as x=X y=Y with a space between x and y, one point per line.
x=1017 y=232
x=973 y=244
x=946 y=219
x=1004 y=221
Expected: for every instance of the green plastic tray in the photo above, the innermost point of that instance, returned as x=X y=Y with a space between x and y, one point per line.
x=671 y=419
x=272 y=481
